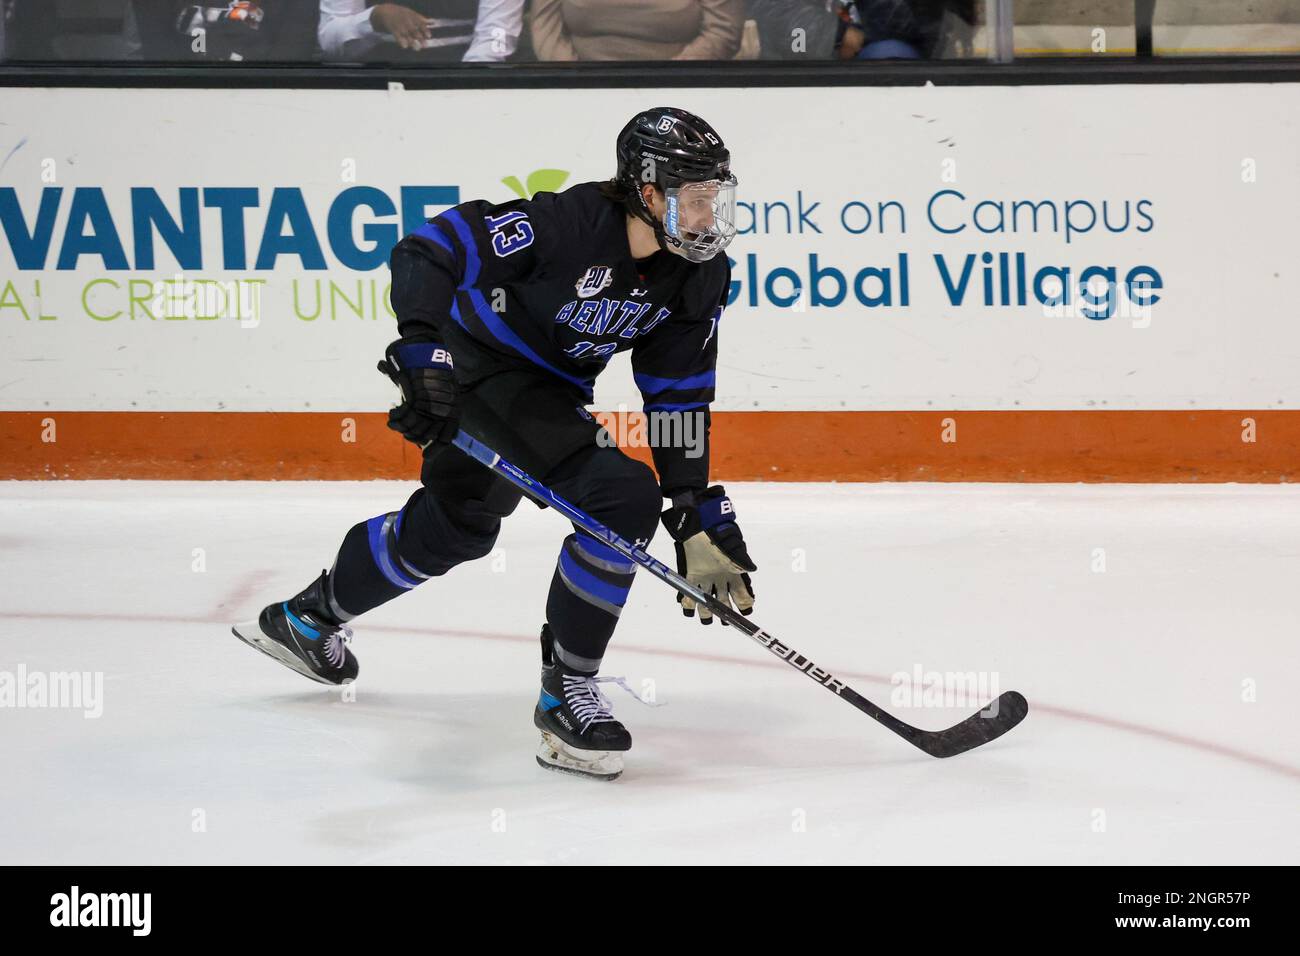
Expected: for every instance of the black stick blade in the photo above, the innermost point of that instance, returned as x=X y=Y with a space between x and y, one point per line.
x=976 y=730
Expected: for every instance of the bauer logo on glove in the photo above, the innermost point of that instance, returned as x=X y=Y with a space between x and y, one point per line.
x=711 y=552
x=421 y=368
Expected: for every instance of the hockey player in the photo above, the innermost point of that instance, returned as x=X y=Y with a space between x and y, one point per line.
x=507 y=313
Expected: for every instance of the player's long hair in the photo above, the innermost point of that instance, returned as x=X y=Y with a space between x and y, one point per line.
x=615 y=191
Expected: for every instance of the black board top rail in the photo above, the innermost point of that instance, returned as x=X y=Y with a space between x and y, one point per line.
x=1071 y=71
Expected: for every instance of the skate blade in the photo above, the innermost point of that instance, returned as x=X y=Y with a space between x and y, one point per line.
x=251 y=634
x=554 y=754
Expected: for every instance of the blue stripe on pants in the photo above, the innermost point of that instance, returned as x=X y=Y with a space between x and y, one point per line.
x=377 y=532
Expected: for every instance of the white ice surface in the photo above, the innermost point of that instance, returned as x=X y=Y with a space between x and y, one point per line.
x=1139 y=746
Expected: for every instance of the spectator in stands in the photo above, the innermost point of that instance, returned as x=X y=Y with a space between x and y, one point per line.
x=637 y=29
x=795 y=29
x=418 y=31
x=896 y=29
x=278 y=30
x=28 y=30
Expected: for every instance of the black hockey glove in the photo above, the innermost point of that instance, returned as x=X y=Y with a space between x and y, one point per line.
x=711 y=552
x=421 y=369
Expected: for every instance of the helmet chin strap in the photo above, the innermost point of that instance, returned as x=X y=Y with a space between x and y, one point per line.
x=666 y=244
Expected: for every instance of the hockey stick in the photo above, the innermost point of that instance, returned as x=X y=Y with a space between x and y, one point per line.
x=1004 y=713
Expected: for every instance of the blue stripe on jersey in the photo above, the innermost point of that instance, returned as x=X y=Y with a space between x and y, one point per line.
x=650 y=385
x=584 y=580
x=431 y=232
x=487 y=315
x=674 y=406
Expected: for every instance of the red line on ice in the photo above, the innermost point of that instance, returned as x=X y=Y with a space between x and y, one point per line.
x=1155 y=733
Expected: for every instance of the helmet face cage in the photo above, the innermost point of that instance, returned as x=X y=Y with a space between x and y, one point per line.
x=700 y=221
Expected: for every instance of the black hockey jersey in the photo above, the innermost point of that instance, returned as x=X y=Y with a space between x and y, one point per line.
x=551 y=282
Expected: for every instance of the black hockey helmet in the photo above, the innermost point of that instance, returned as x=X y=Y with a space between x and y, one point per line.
x=685 y=158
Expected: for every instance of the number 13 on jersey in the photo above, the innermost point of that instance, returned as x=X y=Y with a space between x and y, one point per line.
x=510 y=232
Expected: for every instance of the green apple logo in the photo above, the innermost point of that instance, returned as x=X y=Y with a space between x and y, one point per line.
x=539 y=181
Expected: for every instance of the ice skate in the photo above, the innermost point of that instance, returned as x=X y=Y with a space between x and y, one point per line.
x=579 y=733
x=299 y=633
